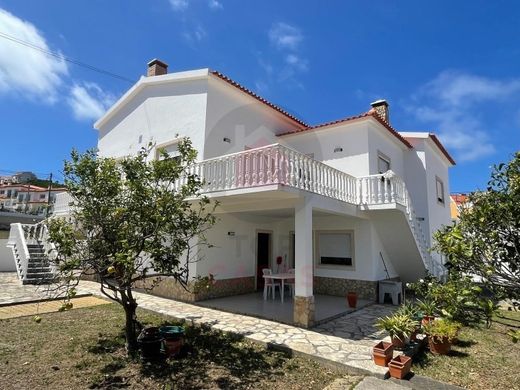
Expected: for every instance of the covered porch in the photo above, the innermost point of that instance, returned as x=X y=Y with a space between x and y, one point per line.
x=331 y=245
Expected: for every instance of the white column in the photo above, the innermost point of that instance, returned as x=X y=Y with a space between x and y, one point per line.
x=303 y=248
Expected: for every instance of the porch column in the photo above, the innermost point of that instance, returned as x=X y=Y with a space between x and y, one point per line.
x=304 y=298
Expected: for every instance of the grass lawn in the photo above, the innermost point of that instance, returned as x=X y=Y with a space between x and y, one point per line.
x=84 y=348
x=482 y=358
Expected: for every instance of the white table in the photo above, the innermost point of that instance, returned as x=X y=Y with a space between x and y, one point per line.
x=283 y=277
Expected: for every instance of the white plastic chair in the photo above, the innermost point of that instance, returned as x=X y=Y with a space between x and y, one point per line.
x=291 y=282
x=269 y=284
x=395 y=289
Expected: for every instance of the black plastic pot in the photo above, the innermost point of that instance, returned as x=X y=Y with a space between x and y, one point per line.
x=150 y=342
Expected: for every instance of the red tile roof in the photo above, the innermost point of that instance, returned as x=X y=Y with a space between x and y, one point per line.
x=459 y=198
x=368 y=114
x=257 y=97
x=442 y=148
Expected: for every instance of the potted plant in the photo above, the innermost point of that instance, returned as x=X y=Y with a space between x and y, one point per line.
x=441 y=334
x=149 y=342
x=383 y=353
x=398 y=326
x=411 y=310
x=352 y=299
x=400 y=366
x=429 y=308
x=173 y=339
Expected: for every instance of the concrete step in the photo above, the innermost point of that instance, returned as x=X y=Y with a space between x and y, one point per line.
x=371 y=383
x=39 y=270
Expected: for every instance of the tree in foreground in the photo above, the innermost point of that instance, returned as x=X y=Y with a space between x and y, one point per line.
x=486 y=240
x=131 y=219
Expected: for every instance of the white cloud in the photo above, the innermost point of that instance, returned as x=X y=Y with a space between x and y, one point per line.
x=455 y=104
x=214 y=4
x=88 y=101
x=196 y=35
x=297 y=62
x=458 y=88
x=179 y=5
x=285 y=36
x=24 y=70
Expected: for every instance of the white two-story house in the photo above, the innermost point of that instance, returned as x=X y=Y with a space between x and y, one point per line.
x=346 y=203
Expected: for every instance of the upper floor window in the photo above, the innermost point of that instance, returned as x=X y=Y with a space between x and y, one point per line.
x=172 y=148
x=383 y=163
x=439 y=185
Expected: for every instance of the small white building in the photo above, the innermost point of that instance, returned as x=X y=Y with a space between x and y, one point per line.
x=346 y=203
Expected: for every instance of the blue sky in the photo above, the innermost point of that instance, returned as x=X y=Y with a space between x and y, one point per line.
x=452 y=67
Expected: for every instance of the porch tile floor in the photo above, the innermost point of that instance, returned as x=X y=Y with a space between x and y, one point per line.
x=327 y=307
x=345 y=342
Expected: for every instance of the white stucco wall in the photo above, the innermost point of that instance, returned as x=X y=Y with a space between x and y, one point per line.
x=321 y=143
x=156 y=114
x=380 y=140
x=235 y=256
x=244 y=120
x=7 y=263
x=439 y=213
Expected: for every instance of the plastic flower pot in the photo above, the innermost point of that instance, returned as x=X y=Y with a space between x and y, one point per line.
x=149 y=342
x=400 y=366
x=382 y=353
x=439 y=345
x=173 y=339
x=352 y=299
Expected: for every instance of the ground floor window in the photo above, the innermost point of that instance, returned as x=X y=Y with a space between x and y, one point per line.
x=335 y=247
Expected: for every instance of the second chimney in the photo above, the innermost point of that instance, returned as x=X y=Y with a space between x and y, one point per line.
x=157 y=68
x=381 y=108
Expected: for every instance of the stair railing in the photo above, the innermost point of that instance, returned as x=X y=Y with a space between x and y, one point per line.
x=18 y=245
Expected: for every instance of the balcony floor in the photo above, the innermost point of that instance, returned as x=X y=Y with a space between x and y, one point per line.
x=327 y=307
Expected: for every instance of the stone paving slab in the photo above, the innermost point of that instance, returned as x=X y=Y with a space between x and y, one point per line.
x=31 y=309
x=353 y=355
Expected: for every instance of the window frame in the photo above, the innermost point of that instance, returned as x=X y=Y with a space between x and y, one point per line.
x=319 y=264
x=165 y=145
x=385 y=158
x=441 y=200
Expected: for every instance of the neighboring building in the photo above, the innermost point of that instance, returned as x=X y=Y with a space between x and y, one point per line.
x=457 y=202
x=346 y=203
x=18 y=178
x=27 y=198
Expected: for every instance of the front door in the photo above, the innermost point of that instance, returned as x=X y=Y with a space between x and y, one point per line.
x=263 y=254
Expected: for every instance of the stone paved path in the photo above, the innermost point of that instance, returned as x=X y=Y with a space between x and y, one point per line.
x=322 y=344
x=345 y=342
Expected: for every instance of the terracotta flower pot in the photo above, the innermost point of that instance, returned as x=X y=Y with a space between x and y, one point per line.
x=400 y=366
x=413 y=335
x=352 y=299
x=439 y=345
x=382 y=353
x=399 y=342
x=427 y=319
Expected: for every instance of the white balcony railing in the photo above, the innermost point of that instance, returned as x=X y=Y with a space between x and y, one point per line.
x=279 y=165
x=275 y=164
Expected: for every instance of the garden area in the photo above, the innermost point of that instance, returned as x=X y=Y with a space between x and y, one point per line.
x=455 y=333
x=85 y=348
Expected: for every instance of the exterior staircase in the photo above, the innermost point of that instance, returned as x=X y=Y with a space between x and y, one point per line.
x=38 y=267
x=31 y=250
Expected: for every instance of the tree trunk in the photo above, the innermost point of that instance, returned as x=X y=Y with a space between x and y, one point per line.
x=130 y=305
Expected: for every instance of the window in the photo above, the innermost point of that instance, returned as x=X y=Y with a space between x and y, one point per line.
x=171 y=148
x=42 y=196
x=335 y=248
x=440 y=190
x=383 y=163
x=2 y=192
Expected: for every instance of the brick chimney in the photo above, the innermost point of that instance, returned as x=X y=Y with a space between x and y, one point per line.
x=157 y=68
x=381 y=108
